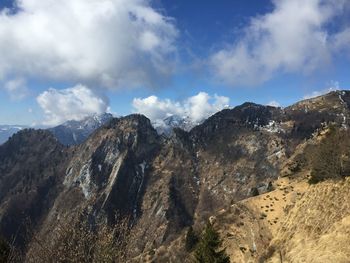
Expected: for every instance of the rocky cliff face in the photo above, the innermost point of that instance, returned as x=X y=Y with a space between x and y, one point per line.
x=161 y=184
x=111 y=166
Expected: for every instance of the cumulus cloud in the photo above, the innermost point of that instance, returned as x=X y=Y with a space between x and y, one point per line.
x=293 y=38
x=70 y=104
x=197 y=107
x=110 y=43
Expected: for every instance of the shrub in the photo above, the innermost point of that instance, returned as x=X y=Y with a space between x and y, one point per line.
x=78 y=241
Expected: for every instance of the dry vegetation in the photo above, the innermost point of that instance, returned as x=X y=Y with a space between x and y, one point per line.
x=78 y=241
x=317 y=229
x=297 y=221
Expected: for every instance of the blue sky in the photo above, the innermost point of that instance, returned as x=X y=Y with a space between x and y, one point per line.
x=64 y=61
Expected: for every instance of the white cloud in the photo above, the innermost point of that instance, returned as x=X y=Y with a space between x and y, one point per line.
x=197 y=107
x=110 y=43
x=70 y=104
x=202 y=105
x=17 y=89
x=274 y=103
x=291 y=39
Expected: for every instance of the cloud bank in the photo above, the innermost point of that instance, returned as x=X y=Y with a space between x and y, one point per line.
x=197 y=108
x=109 y=43
x=70 y=104
x=293 y=38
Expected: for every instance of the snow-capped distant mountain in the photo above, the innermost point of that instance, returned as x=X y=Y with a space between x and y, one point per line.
x=76 y=132
x=6 y=131
x=166 y=125
x=68 y=133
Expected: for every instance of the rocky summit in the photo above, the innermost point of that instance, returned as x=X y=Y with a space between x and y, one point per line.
x=247 y=170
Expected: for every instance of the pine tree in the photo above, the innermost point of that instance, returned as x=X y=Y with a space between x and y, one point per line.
x=208 y=248
x=191 y=239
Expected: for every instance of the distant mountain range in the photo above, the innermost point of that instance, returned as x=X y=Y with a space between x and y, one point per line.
x=6 y=131
x=76 y=132
x=68 y=133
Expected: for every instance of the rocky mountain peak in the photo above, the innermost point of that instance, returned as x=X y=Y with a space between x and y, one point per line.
x=111 y=165
x=132 y=121
x=248 y=115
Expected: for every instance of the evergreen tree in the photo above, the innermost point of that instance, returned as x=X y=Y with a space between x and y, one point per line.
x=208 y=248
x=191 y=239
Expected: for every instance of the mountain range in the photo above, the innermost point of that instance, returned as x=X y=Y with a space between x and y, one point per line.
x=74 y=132
x=247 y=170
x=68 y=133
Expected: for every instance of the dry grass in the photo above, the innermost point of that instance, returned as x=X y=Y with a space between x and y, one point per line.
x=317 y=229
x=272 y=207
x=312 y=226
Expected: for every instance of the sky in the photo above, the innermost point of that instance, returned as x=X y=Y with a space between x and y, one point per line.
x=64 y=60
